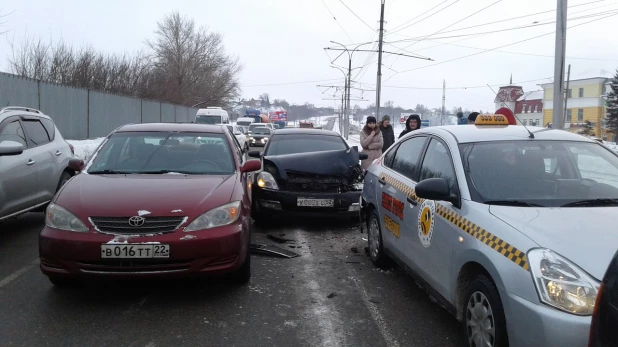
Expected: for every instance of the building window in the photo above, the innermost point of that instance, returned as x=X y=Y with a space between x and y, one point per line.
x=525 y=122
x=569 y=93
x=569 y=116
x=523 y=108
x=536 y=108
x=581 y=92
x=580 y=115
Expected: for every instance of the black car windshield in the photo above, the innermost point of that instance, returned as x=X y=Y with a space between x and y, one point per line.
x=303 y=143
x=163 y=152
x=541 y=173
x=261 y=131
x=253 y=126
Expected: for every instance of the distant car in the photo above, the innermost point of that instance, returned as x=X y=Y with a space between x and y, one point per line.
x=238 y=133
x=307 y=172
x=603 y=330
x=259 y=137
x=34 y=160
x=155 y=200
x=260 y=125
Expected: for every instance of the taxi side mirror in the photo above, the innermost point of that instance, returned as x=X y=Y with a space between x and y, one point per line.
x=436 y=189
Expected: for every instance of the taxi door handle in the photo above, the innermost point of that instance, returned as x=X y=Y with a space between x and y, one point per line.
x=412 y=201
x=30 y=162
x=381 y=180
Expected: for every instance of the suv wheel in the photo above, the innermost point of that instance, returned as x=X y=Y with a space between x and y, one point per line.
x=484 y=321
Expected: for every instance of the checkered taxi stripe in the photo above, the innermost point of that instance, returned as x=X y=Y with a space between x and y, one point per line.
x=494 y=242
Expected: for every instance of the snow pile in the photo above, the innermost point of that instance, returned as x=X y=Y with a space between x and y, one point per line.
x=85 y=148
x=611 y=145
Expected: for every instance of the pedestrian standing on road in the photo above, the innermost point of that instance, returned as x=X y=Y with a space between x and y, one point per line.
x=371 y=141
x=388 y=134
x=413 y=123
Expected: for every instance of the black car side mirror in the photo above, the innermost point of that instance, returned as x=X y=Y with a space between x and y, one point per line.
x=363 y=156
x=255 y=154
x=436 y=189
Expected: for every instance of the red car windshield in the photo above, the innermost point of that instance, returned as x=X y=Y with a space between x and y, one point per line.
x=162 y=152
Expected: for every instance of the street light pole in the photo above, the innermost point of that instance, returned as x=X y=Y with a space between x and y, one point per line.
x=561 y=17
x=346 y=123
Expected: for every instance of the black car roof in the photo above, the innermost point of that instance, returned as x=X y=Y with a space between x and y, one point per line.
x=305 y=131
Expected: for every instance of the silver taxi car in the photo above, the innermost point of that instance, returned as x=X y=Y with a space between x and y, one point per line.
x=509 y=228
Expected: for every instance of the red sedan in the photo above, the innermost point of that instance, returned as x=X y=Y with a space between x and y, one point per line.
x=155 y=200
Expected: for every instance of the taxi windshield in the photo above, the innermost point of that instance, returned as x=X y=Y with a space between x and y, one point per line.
x=541 y=173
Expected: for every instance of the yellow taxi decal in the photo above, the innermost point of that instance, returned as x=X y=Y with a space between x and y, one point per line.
x=489 y=239
x=392 y=226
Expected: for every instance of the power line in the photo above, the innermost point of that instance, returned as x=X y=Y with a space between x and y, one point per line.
x=289 y=83
x=339 y=24
x=446 y=27
x=431 y=15
x=495 y=48
x=513 y=18
x=400 y=25
x=418 y=39
x=359 y=18
x=463 y=87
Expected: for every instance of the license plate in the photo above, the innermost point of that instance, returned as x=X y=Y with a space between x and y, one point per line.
x=315 y=202
x=133 y=251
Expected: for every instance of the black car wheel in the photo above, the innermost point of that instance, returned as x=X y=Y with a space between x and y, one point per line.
x=374 y=240
x=484 y=320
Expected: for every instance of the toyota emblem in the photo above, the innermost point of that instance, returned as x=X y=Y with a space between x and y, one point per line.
x=137 y=221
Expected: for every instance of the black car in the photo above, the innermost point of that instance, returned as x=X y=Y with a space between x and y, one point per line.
x=307 y=172
x=603 y=330
x=259 y=136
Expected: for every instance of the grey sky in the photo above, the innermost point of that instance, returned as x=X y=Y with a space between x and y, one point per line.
x=281 y=41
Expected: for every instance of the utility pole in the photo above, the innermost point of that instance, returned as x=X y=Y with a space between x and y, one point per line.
x=566 y=97
x=443 y=102
x=346 y=124
x=379 y=79
x=561 y=16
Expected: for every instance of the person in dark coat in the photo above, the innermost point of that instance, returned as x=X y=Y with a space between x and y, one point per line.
x=388 y=134
x=472 y=117
x=412 y=123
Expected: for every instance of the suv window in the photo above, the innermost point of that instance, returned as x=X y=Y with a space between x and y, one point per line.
x=36 y=132
x=13 y=132
x=406 y=158
x=437 y=163
x=49 y=127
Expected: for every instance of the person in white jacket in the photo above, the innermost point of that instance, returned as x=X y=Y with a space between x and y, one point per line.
x=371 y=141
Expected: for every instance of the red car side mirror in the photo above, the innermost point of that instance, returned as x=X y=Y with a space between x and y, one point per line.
x=251 y=165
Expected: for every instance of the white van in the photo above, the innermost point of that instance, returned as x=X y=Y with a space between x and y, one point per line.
x=212 y=115
x=245 y=121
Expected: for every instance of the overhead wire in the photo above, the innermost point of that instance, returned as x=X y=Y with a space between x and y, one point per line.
x=431 y=15
x=502 y=46
x=335 y=18
x=359 y=18
x=400 y=25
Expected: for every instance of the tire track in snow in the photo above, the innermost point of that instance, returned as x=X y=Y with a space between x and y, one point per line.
x=322 y=312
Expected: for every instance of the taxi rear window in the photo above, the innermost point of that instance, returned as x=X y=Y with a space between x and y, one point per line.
x=540 y=173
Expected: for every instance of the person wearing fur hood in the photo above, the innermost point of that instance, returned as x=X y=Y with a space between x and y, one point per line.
x=412 y=123
x=371 y=141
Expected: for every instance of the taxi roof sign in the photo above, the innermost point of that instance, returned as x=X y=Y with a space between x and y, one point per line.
x=491 y=119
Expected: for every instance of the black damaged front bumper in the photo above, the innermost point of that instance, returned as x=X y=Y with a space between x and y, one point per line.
x=284 y=203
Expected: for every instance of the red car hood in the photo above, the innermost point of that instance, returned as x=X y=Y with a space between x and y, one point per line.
x=155 y=195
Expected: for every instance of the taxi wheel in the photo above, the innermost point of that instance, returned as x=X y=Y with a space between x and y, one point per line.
x=484 y=321
x=374 y=240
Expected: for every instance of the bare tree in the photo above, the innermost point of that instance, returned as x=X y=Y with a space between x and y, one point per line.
x=190 y=64
x=185 y=65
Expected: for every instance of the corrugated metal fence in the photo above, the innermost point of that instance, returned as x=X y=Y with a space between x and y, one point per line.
x=82 y=113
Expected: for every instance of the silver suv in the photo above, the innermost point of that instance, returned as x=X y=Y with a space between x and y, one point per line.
x=34 y=161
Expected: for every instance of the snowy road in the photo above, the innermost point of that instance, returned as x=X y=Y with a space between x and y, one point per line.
x=286 y=303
